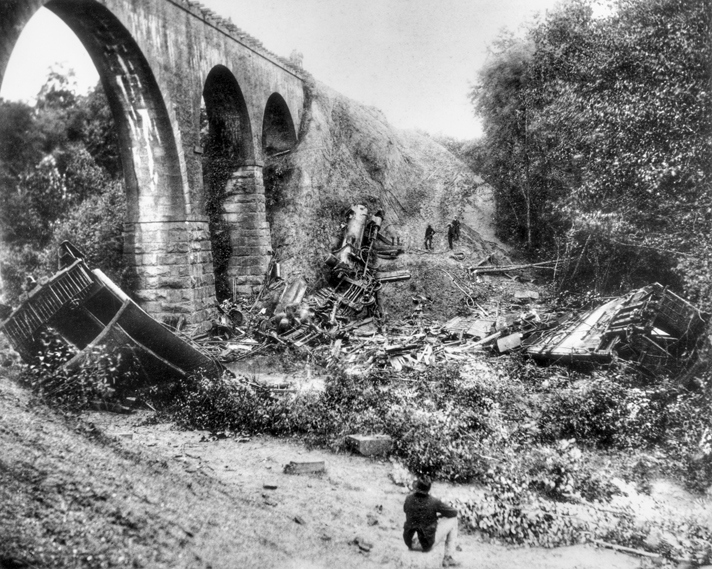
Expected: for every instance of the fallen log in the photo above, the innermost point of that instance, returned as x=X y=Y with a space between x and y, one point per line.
x=624 y=549
x=551 y=265
x=304 y=467
x=488 y=339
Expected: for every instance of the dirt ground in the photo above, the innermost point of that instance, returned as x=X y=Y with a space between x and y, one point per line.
x=106 y=490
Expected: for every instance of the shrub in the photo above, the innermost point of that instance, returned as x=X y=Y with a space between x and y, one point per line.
x=440 y=426
x=562 y=472
x=222 y=404
x=104 y=374
x=510 y=511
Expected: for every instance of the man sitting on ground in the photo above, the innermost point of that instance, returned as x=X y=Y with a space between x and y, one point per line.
x=421 y=518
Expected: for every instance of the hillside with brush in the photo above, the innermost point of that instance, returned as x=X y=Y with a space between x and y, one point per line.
x=349 y=154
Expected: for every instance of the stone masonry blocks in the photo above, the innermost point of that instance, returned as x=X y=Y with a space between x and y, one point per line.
x=173 y=268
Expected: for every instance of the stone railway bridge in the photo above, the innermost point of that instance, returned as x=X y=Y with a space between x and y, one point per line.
x=157 y=59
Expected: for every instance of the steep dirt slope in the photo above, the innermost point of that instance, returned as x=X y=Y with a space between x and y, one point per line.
x=349 y=154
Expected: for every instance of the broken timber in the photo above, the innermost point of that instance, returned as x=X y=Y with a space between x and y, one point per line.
x=302 y=467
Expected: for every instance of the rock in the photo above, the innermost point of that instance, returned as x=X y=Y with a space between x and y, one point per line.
x=362 y=544
x=509 y=343
x=370 y=445
x=269 y=486
x=300 y=520
x=524 y=295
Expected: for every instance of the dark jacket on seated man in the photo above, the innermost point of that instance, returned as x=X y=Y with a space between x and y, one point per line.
x=421 y=516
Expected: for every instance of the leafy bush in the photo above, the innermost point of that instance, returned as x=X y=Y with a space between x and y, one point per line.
x=510 y=511
x=96 y=227
x=562 y=473
x=221 y=404
x=103 y=374
x=604 y=412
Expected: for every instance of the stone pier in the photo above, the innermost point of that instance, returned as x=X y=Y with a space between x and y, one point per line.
x=244 y=211
x=173 y=269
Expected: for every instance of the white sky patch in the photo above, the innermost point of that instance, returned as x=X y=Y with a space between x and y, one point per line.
x=602 y=9
x=413 y=59
x=34 y=55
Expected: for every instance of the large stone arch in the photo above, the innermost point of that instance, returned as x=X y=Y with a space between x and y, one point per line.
x=148 y=148
x=154 y=57
x=158 y=235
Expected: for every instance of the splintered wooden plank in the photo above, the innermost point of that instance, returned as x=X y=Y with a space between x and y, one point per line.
x=480 y=328
x=526 y=295
x=510 y=342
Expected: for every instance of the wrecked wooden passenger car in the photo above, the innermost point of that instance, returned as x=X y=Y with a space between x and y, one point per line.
x=651 y=327
x=87 y=309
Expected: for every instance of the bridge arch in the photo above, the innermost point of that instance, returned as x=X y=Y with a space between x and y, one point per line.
x=148 y=149
x=154 y=58
x=156 y=231
x=230 y=130
x=278 y=133
x=227 y=148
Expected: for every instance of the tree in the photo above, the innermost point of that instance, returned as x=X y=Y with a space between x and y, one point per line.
x=59 y=176
x=598 y=135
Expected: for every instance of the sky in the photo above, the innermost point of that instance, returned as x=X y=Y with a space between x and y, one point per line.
x=415 y=60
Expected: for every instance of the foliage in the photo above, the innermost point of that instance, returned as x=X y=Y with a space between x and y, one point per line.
x=561 y=473
x=59 y=167
x=221 y=404
x=511 y=512
x=597 y=138
x=606 y=412
x=96 y=227
x=103 y=371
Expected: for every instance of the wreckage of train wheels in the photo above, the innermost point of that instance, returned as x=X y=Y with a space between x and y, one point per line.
x=88 y=310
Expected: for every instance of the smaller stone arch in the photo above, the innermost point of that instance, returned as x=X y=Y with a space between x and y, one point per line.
x=278 y=133
x=229 y=121
x=234 y=192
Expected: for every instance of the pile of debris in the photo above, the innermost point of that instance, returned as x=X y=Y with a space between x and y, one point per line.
x=349 y=306
x=652 y=328
x=342 y=323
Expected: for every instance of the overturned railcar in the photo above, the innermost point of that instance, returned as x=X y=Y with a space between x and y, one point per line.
x=651 y=327
x=87 y=309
